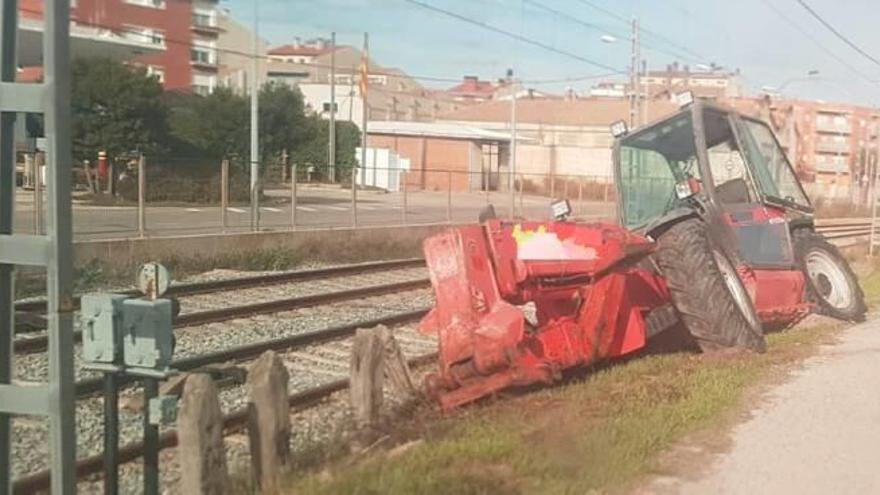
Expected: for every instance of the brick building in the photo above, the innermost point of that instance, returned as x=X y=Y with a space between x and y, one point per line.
x=442 y=155
x=182 y=35
x=833 y=146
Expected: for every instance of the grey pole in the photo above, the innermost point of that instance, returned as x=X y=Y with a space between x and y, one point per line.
x=354 y=200
x=255 y=129
x=365 y=84
x=142 y=194
x=633 y=77
x=512 y=169
x=331 y=140
x=449 y=196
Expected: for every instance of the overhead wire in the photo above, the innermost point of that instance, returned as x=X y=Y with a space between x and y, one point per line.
x=352 y=70
x=837 y=33
x=797 y=27
x=512 y=35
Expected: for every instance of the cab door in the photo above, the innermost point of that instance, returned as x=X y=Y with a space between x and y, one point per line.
x=762 y=235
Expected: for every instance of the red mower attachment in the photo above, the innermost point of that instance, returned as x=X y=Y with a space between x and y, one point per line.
x=589 y=301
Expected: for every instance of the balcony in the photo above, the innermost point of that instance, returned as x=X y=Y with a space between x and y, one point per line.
x=832 y=128
x=832 y=147
x=825 y=164
x=206 y=29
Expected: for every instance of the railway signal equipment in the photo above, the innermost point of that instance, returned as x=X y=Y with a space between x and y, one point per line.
x=715 y=233
x=132 y=336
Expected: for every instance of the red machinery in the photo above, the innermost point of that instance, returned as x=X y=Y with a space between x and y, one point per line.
x=590 y=302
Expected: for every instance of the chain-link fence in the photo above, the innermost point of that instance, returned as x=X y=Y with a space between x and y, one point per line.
x=161 y=196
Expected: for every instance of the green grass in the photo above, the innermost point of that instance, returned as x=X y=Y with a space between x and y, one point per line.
x=600 y=433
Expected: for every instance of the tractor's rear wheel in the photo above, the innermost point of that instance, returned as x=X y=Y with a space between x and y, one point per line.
x=831 y=283
x=712 y=301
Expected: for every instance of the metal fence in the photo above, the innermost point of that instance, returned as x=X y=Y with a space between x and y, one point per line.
x=154 y=197
x=175 y=195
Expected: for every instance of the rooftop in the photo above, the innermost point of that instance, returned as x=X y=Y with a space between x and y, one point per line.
x=557 y=111
x=438 y=129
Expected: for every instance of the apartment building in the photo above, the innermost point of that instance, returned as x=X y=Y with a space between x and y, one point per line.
x=181 y=34
x=706 y=82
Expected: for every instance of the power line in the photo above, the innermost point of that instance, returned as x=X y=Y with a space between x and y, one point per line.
x=352 y=70
x=650 y=32
x=513 y=35
x=837 y=33
x=599 y=28
x=815 y=41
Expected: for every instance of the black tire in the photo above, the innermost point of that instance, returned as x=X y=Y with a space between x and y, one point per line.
x=831 y=283
x=702 y=281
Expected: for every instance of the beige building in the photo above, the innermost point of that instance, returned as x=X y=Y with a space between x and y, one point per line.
x=567 y=136
x=234 y=46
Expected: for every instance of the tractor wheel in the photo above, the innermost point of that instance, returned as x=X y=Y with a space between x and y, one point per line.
x=831 y=283
x=707 y=292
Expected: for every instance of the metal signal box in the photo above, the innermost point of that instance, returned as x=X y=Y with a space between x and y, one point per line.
x=101 y=324
x=148 y=336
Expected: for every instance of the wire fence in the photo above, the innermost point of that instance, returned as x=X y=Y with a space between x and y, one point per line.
x=175 y=196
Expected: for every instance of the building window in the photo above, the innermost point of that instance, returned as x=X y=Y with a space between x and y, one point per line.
x=203 y=85
x=156 y=4
x=157 y=72
x=144 y=35
x=326 y=107
x=204 y=18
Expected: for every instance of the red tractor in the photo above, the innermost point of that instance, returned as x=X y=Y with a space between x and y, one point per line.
x=715 y=234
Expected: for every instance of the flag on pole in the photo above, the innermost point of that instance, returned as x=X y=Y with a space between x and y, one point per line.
x=364 y=82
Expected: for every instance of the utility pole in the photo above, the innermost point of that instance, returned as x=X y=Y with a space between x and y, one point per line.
x=365 y=84
x=634 y=75
x=331 y=140
x=255 y=131
x=512 y=168
x=646 y=98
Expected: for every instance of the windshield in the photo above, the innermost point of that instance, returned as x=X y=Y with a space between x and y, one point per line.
x=772 y=171
x=651 y=162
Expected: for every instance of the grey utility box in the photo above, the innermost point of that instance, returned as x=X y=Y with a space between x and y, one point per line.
x=148 y=336
x=101 y=323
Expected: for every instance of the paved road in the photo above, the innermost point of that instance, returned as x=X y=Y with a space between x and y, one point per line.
x=316 y=207
x=818 y=433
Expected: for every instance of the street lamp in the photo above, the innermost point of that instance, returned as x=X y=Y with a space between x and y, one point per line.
x=777 y=90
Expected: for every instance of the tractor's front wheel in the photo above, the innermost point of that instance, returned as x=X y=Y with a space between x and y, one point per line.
x=707 y=292
x=831 y=283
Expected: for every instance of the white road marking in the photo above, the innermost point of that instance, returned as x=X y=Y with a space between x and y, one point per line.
x=267 y=208
x=235 y=210
x=337 y=208
x=305 y=208
x=193 y=209
x=364 y=207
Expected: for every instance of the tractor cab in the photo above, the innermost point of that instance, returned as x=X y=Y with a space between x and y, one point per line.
x=728 y=178
x=712 y=162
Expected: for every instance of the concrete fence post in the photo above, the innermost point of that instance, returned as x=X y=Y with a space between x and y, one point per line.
x=39 y=160
x=404 y=191
x=224 y=194
x=366 y=378
x=268 y=421
x=200 y=438
x=449 y=196
x=580 y=197
x=142 y=195
x=354 y=213
x=293 y=196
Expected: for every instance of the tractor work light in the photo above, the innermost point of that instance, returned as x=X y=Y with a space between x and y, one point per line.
x=684 y=98
x=561 y=209
x=619 y=128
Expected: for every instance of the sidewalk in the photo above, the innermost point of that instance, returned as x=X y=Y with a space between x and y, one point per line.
x=819 y=432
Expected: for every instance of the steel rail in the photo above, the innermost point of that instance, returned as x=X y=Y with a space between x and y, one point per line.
x=238 y=283
x=232 y=422
x=35 y=344
x=92 y=386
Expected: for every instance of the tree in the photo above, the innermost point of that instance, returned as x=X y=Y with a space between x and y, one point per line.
x=313 y=150
x=115 y=107
x=215 y=126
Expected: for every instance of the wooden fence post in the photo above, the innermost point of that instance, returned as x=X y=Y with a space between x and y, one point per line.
x=200 y=438
x=268 y=420
x=376 y=356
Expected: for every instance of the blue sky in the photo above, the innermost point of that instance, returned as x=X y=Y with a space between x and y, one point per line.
x=771 y=41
